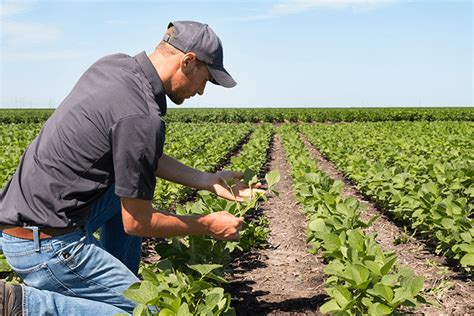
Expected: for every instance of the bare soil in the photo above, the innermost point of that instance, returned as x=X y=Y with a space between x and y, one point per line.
x=451 y=289
x=149 y=254
x=283 y=279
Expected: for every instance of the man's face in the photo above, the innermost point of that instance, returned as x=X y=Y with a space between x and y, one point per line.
x=190 y=80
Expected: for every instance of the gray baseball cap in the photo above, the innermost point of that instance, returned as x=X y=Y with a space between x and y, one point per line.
x=191 y=36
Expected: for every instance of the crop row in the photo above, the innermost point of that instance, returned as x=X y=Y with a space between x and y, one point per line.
x=14 y=138
x=240 y=115
x=421 y=173
x=202 y=146
x=362 y=279
x=187 y=280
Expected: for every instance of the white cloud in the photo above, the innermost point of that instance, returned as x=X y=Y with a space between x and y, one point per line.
x=10 y=8
x=28 y=33
x=44 y=55
x=23 y=33
x=288 y=7
x=298 y=6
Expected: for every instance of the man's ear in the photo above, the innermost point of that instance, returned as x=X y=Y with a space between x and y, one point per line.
x=187 y=59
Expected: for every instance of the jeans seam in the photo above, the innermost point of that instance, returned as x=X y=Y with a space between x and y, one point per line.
x=25 y=253
x=60 y=282
x=24 y=305
x=88 y=280
x=33 y=269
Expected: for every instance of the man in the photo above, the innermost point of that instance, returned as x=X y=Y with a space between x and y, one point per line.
x=93 y=166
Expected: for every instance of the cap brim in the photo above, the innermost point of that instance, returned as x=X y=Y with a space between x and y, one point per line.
x=221 y=77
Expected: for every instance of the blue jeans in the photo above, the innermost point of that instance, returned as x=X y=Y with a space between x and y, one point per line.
x=75 y=274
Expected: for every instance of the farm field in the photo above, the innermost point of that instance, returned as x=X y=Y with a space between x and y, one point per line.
x=368 y=212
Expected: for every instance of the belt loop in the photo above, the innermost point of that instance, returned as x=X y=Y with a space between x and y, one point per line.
x=36 y=237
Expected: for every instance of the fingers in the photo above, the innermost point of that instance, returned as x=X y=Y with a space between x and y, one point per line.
x=241 y=223
x=235 y=237
x=225 y=226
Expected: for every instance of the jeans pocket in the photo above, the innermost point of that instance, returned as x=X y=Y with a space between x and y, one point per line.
x=41 y=277
x=70 y=253
x=24 y=272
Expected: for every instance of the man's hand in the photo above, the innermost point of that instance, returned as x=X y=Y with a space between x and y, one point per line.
x=223 y=225
x=140 y=219
x=238 y=191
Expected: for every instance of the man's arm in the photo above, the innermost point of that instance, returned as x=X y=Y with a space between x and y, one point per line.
x=172 y=170
x=140 y=219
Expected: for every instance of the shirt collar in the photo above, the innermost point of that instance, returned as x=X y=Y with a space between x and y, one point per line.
x=152 y=75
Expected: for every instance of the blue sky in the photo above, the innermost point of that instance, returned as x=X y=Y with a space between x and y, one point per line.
x=319 y=53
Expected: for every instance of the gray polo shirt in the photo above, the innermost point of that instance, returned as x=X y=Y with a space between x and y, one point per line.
x=109 y=130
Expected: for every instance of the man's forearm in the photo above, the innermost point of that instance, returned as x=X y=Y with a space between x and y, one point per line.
x=172 y=170
x=140 y=219
x=163 y=225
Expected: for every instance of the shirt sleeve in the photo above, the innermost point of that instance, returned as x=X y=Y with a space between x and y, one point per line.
x=137 y=145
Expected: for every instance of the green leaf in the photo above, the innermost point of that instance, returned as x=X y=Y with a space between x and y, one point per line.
x=204 y=269
x=373 y=266
x=356 y=240
x=432 y=188
x=165 y=264
x=447 y=223
x=4 y=266
x=213 y=298
x=317 y=225
x=359 y=274
x=417 y=285
x=331 y=242
x=166 y=312
x=382 y=291
x=272 y=178
x=149 y=275
x=184 y=310
x=140 y=310
x=468 y=259
x=388 y=265
x=145 y=293
x=217 y=278
x=379 y=309
x=329 y=307
x=342 y=296
x=466 y=236
x=401 y=295
x=342 y=209
x=250 y=176
x=389 y=280
x=198 y=286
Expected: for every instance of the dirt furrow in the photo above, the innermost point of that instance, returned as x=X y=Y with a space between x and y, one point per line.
x=283 y=279
x=453 y=291
x=149 y=254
